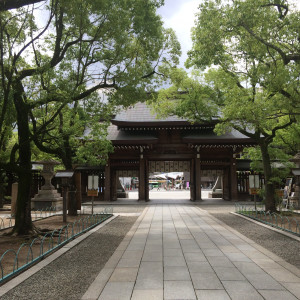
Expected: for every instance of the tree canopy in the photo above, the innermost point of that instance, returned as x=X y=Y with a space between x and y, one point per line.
x=56 y=55
x=12 y=4
x=248 y=52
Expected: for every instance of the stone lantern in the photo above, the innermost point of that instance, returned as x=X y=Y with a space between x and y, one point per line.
x=47 y=195
x=294 y=199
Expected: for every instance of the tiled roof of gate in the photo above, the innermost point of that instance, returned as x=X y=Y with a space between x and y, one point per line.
x=211 y=135
x=141 y=113
x=132 y=126
x=120 y=136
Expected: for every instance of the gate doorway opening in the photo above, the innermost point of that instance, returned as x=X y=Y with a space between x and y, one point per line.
x=169 y=180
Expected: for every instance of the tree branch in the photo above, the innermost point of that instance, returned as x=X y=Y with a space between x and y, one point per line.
x=279 y=8
x=285 y=57
x=292 y=120
x=12 y=4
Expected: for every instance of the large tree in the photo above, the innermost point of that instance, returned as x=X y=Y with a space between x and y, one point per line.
x=250 y=52
x=56 y=55
x=11 y=4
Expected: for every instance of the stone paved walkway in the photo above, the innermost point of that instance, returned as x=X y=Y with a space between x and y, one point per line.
x=182 y=252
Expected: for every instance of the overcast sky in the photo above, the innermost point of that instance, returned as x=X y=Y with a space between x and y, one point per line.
x=180 y=15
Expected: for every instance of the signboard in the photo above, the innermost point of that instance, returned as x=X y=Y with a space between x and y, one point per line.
x=66 y=174
x=253 y=181
x=93 y=185
x=254 y=191
x=254 y=185
x=91 y=193
x=93 y=182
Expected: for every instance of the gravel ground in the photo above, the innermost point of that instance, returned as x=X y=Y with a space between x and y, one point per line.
x=117 y=208
x=283 y=246
x=62 y=280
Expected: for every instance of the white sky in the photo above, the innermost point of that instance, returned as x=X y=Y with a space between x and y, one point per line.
x=180 y=15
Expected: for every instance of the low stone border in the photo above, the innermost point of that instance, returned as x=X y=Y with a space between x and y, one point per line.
x=268 y=226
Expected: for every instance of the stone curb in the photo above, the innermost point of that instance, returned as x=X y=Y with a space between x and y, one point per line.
x=290 y=235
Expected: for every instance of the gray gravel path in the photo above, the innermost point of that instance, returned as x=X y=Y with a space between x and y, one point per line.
x=70 y=275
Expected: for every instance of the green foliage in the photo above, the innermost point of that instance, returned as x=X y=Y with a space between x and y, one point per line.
x=187 y=98
x=55 y=58
x=280 y=164
x=249 y=52
x=78 y=48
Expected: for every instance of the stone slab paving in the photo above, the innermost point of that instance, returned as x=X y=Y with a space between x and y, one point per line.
x=181 y=252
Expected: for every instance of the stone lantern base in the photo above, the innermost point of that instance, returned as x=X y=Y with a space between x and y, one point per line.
x=47 y=198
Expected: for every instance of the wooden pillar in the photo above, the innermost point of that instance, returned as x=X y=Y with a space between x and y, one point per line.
x=142 y=179
x=107 y=183
x=114 y=179
x=192 y=180
x=77 y=177
x=226 y=185
x=233 y=179
x=146 y=180
x=197 y=177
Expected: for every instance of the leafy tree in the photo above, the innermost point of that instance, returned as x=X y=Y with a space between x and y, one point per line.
x=11 y=4
x=76 y=135
x=289 y=139
x=77 y=48
x=250 y=53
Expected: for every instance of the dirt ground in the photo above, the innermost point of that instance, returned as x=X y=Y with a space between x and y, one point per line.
x=28 y=248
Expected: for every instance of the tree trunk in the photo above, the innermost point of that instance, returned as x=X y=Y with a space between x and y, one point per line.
x=72 y=209
x=67 y=161
x=1 y=198
x=23 y=222
x=2 y=187
x=269 y=185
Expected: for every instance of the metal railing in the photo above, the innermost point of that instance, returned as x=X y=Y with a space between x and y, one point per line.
x=282 y=222
x=5 y=222
x=37 y=214
x=34 y=251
